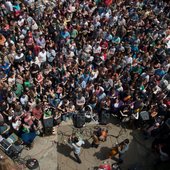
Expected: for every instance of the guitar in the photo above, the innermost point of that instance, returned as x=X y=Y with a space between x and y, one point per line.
x=115 y=150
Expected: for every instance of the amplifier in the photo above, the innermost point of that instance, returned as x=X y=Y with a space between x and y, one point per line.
x=5 y=145
x=144 y=115
x=11 y=150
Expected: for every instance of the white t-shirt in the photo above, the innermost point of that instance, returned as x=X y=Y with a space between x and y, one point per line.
x=34 y=26
x=17 y=57
x=97 y=50
x=42 y=56
x=51 y=55
x=11 y=81
x=128 y=59
x=16 y=124
x=21 y=22
x=24 y=99
x=9 y=6
x=88 y=48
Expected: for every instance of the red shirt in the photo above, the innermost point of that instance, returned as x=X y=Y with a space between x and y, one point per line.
x=105 y=167
x=104 y=45
x=108 y=2
x=36 y=50
x=40 y=78
x=37 y=113
x=6 y=27
x=104 y=56
x=28 y=119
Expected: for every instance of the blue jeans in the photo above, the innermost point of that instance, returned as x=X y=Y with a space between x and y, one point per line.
x=63 y=117
x=70 y=115
x=54 y=102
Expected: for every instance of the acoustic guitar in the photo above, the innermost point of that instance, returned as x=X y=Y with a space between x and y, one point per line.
x=115 y=150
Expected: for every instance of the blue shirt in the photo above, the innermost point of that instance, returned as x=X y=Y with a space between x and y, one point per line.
x=116 y=39
x=134 y=48
x=125 y=149
x=17 y=7
x=6 y=67
x=83 y=84
x=160 y=72
x=65 y=34
x=85 y=77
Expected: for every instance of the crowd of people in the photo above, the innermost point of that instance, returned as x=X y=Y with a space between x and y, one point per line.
x=111 y=55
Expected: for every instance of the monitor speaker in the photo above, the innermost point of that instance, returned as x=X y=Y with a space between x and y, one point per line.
x=48 y=122
x=79 y=120
x=104 y=118
x=144 y=115
x=14 y=151
x=11 y=150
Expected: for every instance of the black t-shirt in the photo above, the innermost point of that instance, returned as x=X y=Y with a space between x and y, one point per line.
x=34 y=69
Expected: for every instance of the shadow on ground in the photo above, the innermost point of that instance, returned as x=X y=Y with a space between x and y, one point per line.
x=65 y=150
x=103 y=153
x=87 y=144
x=139 y=156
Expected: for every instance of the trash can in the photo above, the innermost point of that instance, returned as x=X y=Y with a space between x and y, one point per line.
x=32 y=164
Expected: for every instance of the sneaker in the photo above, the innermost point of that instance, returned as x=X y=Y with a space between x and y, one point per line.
x=38 y=132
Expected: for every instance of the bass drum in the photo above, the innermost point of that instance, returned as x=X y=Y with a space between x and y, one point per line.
x=78 y=120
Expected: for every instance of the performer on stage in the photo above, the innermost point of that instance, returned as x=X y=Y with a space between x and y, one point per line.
x=120 y=150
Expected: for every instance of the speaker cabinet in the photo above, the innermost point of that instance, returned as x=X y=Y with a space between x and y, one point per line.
x=79 y=120
x=104 y=118
x=48 y=122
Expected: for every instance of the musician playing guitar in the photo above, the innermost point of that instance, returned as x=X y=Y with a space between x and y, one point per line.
x=120 y=149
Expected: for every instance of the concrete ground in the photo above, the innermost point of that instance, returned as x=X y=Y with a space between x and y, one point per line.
x=53 y=154
x=44 y=151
